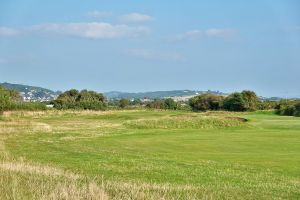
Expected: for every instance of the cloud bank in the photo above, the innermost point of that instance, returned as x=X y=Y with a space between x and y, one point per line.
x=207 y=33
x=92 y=30
x=135 y=18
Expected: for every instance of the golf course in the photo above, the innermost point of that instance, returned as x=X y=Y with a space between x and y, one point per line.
x=149 y=154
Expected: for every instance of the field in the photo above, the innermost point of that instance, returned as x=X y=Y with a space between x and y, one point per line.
x=142 y=154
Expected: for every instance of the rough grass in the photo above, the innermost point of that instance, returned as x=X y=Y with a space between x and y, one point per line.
x=149 y=155
x=186 y=122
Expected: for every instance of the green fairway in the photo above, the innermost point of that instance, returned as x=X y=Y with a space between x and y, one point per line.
x=152 y=154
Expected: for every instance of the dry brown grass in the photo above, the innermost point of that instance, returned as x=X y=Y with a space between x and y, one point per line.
x=70 y=191
x=33 y=181
x=37 y=114
x=24 y=167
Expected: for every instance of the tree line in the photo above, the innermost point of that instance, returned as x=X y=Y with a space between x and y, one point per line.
x=91 y=100
x=237 y=101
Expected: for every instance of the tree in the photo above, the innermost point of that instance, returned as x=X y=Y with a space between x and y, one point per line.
x=205 y=102
x=85 y=99
x=8 y=99
x=297 y=109
x=250 y=99
x=289 y=108
x=4 y=99
x=136 y=102
x=235 y=102
x=123 y=103
x=170 y=104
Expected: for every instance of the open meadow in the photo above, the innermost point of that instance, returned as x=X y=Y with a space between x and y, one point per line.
x=145 y=154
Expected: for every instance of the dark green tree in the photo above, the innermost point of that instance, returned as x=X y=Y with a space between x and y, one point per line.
x=235 y=102
x=297 y=109
x=205 y=102
x=169 y=103
x=123 y=103
x=251 y=100
x=136 y=102
x=85 y=99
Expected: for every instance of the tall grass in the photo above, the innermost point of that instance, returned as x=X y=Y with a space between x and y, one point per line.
x=203 y=122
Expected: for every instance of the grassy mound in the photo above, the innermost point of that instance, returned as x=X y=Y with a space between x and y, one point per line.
x=187 y=122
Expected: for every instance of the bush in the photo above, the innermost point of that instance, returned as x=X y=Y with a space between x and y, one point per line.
x=267 y=105
x=136 y=102
x=123 y=103
x=86 y=100
x=206 y=102
x=290 y=108
x=170 y=104
x=250 y=99
x=244 y=101
x=11 y=100
x=163 y=104
x=297 y=110
x=235 y=102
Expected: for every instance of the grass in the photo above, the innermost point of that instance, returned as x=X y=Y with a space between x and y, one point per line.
x=140 y=154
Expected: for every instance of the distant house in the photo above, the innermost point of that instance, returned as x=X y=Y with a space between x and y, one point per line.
x=49 y=106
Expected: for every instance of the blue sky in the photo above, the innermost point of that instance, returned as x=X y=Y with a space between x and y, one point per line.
x=137 y=45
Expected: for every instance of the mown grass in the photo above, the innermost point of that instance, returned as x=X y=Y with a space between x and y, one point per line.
x=141 y=154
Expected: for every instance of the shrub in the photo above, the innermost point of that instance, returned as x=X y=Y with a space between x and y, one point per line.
x=289 y=108
x=250 y=99
x=163 y=104
x=170 y=104
x=205 y=102
x=86 y=100
x=244 y=101
x=235 y=102
x=297 y=110
x=123 y=103
x=11 y=100
x=267 y=105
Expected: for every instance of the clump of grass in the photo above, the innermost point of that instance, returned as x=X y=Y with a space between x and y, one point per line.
x=184 y=122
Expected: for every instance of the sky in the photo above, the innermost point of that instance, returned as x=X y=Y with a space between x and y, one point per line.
x=139 y=45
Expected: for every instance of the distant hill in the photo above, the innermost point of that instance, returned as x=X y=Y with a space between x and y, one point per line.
x=158 y=94
x=32 y=93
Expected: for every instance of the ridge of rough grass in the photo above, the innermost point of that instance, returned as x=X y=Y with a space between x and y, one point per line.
x=186 y=122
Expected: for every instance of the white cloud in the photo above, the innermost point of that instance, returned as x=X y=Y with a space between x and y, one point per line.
x=99 y=14
x=209 y=33
x=5 y=31
x=135 y=18
x=150 y=54
x=93 y=30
